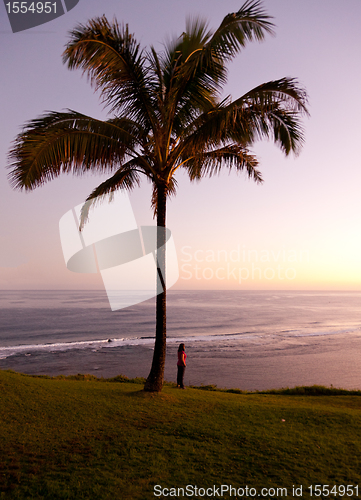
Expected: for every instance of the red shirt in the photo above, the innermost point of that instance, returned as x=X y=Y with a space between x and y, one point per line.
x=180 y=360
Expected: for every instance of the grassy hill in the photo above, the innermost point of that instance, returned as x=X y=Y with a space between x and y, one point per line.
x=87 y=438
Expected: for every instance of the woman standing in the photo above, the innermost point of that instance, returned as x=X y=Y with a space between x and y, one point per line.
x=181 y=364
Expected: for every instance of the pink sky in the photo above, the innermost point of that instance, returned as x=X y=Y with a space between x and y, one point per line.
x=300 y=229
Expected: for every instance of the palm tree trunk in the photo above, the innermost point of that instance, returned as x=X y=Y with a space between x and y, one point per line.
x=154 y=382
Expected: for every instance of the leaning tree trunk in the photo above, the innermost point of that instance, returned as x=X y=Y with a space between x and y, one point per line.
x=154 y=382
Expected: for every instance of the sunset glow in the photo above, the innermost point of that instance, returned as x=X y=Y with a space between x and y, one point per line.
x=299 y=230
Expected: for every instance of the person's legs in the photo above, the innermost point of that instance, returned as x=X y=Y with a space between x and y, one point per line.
x=180 y=376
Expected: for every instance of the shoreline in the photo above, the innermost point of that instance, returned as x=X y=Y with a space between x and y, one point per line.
x=328 y=362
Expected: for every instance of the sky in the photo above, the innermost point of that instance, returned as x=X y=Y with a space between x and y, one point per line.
x=299 y=230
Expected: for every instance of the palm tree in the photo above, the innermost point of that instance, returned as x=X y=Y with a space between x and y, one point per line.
x=167 y=114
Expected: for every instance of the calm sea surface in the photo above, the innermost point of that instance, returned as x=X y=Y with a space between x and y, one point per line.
x=213 y=320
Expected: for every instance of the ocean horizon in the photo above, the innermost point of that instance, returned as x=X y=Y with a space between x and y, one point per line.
x=218 y=327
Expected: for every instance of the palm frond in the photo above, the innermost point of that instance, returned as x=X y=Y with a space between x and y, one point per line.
x=127 y=177
x=195 y=66
x=115 y=65
x=249 y=23
x=270 y=111
x=232 y=157
x=69 y=142
x=285 y=91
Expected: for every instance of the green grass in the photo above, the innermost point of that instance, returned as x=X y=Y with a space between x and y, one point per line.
x=87 y=438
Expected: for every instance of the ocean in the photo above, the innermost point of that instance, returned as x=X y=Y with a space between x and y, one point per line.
x=233 y=338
